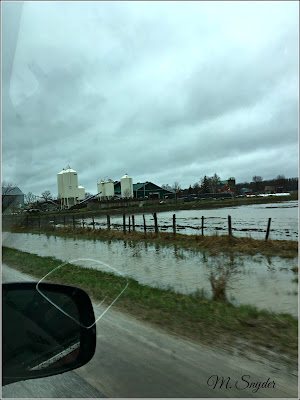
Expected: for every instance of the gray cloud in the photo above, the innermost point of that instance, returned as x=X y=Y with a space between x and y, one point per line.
x=163 y=91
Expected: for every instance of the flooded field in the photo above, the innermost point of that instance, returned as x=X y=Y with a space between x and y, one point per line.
x=247 y=221
x=263 y=282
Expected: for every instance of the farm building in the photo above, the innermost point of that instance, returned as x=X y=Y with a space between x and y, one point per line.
x=227 y=186
x=146 y=190
x=12 y=197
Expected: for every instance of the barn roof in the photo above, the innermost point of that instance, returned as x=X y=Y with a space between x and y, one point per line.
x=13 y=191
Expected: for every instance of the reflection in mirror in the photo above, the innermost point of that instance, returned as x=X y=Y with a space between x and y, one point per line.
x=38 y=339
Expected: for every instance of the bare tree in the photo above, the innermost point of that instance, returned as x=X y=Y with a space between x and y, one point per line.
x=281 y=183
x=258 y=182
x=29 y=198
x=176 y=188
x=46 y=194
x=166 y=187
x=214 y=183
x=196 y=188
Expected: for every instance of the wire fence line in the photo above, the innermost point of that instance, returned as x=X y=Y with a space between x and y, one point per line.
x=129 y=223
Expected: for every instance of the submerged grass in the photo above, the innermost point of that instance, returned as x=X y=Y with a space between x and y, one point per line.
x=211 y=244
x=191 y=316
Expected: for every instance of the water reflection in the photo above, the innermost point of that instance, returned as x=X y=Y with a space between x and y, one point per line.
x=258 y=280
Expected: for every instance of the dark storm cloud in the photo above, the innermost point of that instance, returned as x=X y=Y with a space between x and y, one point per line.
x=163 y=91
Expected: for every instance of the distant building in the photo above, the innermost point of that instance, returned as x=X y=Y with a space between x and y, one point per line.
x=12 y=197
x=246 y=191
x=146 y=190
x=227 y=186
x=270 y=190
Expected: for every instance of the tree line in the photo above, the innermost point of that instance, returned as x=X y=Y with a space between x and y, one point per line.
x=280 y=184
x=212 y=184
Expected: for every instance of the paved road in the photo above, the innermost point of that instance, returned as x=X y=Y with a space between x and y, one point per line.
x=133 y=359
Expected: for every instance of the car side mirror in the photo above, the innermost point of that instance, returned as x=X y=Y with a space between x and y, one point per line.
x=38 y=339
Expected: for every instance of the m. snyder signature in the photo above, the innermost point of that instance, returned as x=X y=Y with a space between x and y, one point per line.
x=243 y=383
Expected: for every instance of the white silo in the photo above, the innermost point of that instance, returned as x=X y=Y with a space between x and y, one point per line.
x=68 y=190
x=101 y=188
x=70 y=182
x=81 y=193
x=60 y=183
x=109 y=189
x=126 y=186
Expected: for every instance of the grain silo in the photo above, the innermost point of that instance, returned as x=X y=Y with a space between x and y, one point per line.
x=81 y=193
x=109 y=189
x=60 y=183
x=101 y=188
x=68 y=190
x=126 y=186
x=106 y=188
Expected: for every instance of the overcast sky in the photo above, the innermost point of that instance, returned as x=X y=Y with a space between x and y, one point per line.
x=163 y=91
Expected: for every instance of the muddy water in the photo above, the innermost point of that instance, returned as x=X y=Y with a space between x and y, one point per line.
x=247 y=221
x=257 y=280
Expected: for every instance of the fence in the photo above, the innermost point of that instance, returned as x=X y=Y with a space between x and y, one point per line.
x=128 y=225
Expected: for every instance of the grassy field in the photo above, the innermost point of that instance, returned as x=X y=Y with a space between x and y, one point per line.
x=190 y=316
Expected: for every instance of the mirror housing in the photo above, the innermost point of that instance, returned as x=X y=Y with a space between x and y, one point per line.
x=38 y=339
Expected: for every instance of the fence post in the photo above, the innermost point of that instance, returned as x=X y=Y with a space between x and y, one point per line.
x=133 y=224
x=54 y=220
x=155 y=223
x=145 y=228
x=174 y=224
x=202 y=225
x=108 y=222
x=93 y=223
x=268 y=228
x=27 y=221
x=129 y=224
x=73 y=222
x=229 y=226
x=82 y=221
x=64 y=220
x=124 y=223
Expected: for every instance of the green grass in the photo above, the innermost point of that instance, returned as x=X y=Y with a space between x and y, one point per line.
x=191 y=316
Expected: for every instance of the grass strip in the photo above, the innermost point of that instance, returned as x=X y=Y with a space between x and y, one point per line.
x=213 y=245
x=190 y=316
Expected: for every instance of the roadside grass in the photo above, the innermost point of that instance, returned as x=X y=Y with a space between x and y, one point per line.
x=210 y=244
x=190 y=316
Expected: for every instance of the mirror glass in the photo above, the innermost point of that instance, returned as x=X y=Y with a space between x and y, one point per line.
x=38 y=339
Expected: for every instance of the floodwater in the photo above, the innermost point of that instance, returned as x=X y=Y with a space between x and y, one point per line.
x=246 y=221
x=266 y=283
